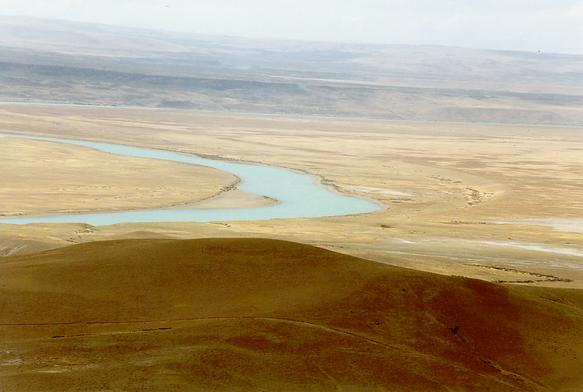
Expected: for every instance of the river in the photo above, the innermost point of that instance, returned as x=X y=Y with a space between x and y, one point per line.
x=298 y=195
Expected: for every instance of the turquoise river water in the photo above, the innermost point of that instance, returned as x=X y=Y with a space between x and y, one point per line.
x=298 y=195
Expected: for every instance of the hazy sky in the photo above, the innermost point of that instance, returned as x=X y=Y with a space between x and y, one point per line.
x=548 y=25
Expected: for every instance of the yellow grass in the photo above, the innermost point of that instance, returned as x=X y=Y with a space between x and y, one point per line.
x=445 y=186
x=47 y=178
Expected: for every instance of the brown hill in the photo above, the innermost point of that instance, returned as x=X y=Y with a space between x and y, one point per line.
x=252 y=314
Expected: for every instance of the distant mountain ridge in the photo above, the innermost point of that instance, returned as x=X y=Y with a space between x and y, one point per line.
x=303 y=78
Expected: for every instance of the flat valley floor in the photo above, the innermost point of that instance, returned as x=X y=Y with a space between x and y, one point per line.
x=495 y=202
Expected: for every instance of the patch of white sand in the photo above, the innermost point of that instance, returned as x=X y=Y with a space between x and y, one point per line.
x=536 y=247
x=379 y=191
x=572 y=225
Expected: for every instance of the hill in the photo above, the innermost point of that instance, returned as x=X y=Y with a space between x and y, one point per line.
x=91 y=64
x=253 y=314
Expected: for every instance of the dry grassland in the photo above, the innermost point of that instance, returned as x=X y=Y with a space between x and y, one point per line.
x=446 y=187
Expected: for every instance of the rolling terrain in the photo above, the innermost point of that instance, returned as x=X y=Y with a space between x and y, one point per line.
x=254 y=314
x=88 y=64
x=447 y=188
x=469 y=278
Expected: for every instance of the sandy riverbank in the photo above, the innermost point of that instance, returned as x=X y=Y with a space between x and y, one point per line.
x=453 y=181
x=41 y=178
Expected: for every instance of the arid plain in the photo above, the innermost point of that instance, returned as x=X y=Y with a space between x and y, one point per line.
x=181 y=306
x=468 y=278
x=457 y=198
